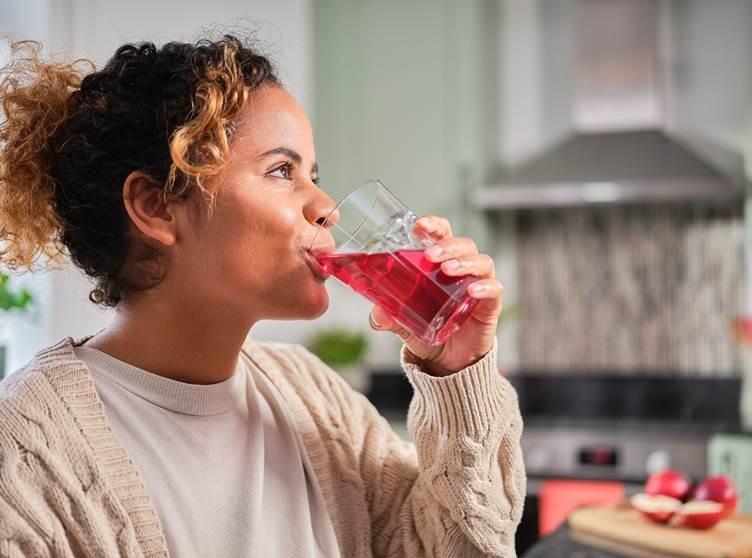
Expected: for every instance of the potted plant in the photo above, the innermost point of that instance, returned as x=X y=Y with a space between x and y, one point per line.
x=343 y=350
x=10 y=301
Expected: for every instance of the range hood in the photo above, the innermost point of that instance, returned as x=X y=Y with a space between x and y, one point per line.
x=618 y=148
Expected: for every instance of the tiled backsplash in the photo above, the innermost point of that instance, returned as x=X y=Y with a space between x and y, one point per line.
x=637 y=290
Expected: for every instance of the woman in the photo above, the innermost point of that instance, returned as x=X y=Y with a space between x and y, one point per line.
x=183 y=180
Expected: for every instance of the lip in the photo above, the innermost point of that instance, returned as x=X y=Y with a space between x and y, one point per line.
x=316 y=267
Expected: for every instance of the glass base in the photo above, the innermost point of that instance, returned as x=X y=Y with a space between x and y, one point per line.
x=449 y=319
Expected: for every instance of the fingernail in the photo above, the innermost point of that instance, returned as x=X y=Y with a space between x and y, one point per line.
x=427 y=224
x=478 y=289
x=374 y=323
x=435 y=251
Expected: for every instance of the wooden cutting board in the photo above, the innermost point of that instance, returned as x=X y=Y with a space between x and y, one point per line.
x=622 y=529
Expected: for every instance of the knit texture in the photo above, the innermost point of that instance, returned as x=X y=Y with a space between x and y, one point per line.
x=68 y=488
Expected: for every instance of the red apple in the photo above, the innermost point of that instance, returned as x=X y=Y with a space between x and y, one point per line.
x=699 y=515
x=668 y=482
x=718 y=489
x=656 y=508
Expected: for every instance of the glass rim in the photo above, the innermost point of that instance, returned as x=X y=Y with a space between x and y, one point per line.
x=350 y=235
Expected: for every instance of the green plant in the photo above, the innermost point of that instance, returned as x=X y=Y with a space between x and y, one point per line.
x=338 y=347
x=13 y=300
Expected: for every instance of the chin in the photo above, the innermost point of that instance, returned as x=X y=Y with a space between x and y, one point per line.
x=308 y=305
x=319 y=304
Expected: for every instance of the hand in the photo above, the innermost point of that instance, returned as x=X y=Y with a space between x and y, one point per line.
x=476 y=335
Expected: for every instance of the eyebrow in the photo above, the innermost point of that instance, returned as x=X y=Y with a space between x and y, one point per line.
x=292 y=154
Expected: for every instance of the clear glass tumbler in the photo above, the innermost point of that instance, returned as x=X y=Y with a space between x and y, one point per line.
x=379 y=254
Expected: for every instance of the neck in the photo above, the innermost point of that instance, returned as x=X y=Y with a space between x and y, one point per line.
x=178 y=341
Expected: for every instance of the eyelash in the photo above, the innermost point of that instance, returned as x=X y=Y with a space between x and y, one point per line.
x=287 y=170
x=287 y=167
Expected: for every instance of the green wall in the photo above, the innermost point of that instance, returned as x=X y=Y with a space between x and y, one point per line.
x=401 y=94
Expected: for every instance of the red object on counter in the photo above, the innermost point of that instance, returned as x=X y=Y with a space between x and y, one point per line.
x=668 y=482
x=558 y=498
x=718 y=489
x=741 y=330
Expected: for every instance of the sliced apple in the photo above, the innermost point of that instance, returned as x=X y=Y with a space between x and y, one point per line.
x=658 y=508
x=718 y=489
x=668 y=482
x=699 y=514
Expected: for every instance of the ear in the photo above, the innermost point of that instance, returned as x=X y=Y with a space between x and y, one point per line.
x=147 y=208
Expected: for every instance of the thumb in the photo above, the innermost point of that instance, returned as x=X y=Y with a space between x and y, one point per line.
x=380 y=320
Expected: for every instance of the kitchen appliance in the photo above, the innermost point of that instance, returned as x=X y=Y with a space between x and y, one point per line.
x=731 y=455
x=635 y=100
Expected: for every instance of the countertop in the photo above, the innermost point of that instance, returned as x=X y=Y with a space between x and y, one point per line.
x=560 y=545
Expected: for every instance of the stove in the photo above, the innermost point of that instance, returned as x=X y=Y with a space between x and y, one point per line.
x=606 y=427
x=615 y=453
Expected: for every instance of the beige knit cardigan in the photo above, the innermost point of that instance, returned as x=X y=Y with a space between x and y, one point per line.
x=68 y=487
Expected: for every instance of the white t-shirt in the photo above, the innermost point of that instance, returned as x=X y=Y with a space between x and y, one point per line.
x=223 y=463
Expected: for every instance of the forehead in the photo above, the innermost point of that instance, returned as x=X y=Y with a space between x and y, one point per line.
x=273 y=118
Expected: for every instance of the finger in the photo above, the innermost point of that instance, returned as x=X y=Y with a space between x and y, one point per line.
x=489 y=293
x=486 y=289
x=381 y=321
x=437 y=227
x=481 y=265
x=451 y=248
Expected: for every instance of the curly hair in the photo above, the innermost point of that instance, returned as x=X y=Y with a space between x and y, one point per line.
x=69 y=139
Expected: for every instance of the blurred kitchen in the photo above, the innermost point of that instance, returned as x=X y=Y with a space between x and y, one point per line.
x=600 y=149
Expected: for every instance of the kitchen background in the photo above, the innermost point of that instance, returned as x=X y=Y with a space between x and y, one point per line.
x=596 y=148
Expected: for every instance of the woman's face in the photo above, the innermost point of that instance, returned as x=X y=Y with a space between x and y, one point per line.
x=251 y=255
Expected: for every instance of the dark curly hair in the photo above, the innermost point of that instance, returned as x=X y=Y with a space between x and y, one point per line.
x=70 y=138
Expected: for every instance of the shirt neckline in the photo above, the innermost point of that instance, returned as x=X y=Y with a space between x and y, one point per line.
x=169 y=394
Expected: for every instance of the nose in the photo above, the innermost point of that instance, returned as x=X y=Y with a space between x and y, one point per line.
x=321 y=209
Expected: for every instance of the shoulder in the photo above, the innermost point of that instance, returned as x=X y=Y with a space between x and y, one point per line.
x=22 y=387
x=295 y=362
x=322 y=389
x=30 y=399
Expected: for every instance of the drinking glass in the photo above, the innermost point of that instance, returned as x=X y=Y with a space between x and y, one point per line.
x=377 y=252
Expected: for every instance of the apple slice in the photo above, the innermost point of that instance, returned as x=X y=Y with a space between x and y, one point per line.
x=699 y=514
x=658 y=508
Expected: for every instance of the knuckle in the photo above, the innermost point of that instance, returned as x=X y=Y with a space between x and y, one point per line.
x=448 y=244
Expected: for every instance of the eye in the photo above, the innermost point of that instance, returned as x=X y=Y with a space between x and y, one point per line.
x=282 y=171
x=316 y=180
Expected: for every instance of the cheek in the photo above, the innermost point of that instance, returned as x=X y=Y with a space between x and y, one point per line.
x=259 y=239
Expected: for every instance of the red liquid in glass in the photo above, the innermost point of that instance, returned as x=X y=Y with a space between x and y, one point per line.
x=412 y=289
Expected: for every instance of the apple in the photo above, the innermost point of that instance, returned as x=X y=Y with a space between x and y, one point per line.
x=668 y=482
x=699 y=514
x=656 y=508
x=718 y=489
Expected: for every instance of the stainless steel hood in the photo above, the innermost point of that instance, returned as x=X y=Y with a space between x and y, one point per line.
x=618 y=148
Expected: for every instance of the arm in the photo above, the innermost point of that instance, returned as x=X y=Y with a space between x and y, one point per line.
x=462 y=494
x=467 y=496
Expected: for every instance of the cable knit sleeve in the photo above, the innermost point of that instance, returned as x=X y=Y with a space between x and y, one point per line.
x=464 y=495
x=456 y=492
